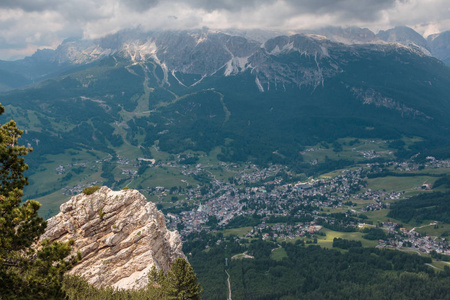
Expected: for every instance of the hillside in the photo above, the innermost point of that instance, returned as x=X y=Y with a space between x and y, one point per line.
x=152 y=95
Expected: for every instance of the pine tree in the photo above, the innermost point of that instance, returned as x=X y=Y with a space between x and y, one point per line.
x=26 y=271
x=180 y=282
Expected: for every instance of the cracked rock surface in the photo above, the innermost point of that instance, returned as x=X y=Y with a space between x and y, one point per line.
x=119 y=234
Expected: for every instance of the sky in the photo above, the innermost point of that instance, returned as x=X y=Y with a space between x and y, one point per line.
x=28 y=25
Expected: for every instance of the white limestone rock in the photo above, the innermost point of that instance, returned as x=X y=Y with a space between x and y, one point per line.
x=119 y=234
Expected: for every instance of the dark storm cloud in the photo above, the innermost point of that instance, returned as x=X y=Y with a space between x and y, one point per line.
x=361 y=9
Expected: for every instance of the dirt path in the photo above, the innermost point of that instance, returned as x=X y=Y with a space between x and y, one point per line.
x=433 y=267
x=279 y=246
x=431 y=224
x=229 y=285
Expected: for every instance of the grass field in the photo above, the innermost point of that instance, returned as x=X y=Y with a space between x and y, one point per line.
x=167 y=177
x=438 y=171
x=440 y=265
x=47 y=185
x=349 y=151
x=237 y=231
x=131 y=152
x=432 y=231
x=399 y=184
x=278 y=254
x=242 y=256
x=327 y=241
x=414 y=251
x=381 y=216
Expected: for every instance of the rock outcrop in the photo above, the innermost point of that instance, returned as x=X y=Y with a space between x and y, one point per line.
x=119 y=234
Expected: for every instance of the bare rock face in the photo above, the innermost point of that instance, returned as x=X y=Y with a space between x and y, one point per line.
x=119 y=234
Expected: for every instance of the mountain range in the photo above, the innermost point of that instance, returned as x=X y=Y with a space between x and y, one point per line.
x=175 y=91
x=73 y=53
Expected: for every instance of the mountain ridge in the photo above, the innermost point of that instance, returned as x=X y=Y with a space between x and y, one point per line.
x=73 y=53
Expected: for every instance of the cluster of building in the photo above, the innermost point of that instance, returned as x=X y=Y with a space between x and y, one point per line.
x=378 y=198
x=401 y=237
x=283 y=231
x=225 y=200
x=431 y=162
x=263 y=192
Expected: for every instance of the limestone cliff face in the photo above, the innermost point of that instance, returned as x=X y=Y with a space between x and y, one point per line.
x=119 y=234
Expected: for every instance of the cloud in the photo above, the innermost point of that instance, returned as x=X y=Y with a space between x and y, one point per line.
x=26 y=25
x=229 y=5
x=360 y=9
x=29 y=5
x=140 y=5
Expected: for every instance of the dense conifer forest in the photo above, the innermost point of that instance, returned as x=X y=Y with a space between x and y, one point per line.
x=422 y=207
x=312 y=272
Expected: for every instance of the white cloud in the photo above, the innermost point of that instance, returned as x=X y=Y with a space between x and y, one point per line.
x=26 y=25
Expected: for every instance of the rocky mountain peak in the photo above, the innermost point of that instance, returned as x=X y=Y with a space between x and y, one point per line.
x=275 y=61
x=305 y=44
x=348 y=35
x=119 y=235
x=405 y=36
x=440 y=46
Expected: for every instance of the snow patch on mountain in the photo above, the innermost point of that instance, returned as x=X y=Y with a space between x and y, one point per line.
x=137 y=51
x=259 y=85
x=176 y=78
x=236 y=65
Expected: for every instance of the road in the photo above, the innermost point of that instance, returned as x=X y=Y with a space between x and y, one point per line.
x=229 y=285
